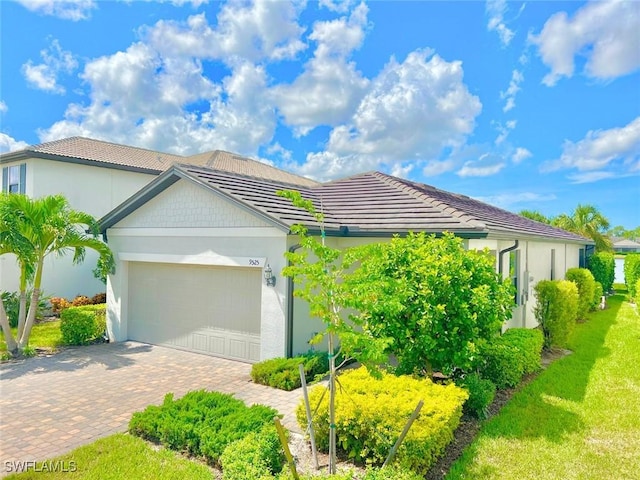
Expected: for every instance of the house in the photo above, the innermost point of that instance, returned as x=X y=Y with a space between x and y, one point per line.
x=95 y=177
x=194 y=246
x=625 y=245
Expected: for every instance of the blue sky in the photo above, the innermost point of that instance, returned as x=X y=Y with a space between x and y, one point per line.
x=525 y=105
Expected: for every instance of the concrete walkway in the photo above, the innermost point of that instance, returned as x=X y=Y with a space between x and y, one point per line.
x=51 y=405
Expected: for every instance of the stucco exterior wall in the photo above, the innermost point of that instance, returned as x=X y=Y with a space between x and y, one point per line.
x=191 y=225
x=94 y=190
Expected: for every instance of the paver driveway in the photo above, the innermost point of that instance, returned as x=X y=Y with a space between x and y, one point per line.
x=50 y=405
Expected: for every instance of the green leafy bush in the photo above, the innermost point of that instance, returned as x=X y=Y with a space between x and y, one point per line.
x=481 y=394
x=586 y=289
x=511 y=356
x=11 y=301
x=632 y=274
x=603 y=267
x=283 y=373
x=200 y=423
x=556 y=310
x=597 y=295
x=371 y=413
x=83 y=325
x=637 y=289
x=255 y=457
x=436 y=300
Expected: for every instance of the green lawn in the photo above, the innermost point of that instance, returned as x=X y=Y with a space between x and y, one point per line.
x=43 y=335
x=118 y=457
x=579 y=419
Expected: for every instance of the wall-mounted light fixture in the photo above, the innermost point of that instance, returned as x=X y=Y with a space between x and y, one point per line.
x=269 y=277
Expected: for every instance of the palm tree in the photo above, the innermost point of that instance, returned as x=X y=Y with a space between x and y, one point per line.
x=586 y=220
x=34 y=229
x=534 y=215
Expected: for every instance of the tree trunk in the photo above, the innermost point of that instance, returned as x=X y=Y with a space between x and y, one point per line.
x=332 y=406
x=22 y=312
x=12 y=346
x=33 y=307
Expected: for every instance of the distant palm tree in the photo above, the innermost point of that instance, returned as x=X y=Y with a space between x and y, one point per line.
x=586 y=220
x=33 y=229
x=534 y=215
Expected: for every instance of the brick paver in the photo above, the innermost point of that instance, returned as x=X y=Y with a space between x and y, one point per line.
x=51 y=405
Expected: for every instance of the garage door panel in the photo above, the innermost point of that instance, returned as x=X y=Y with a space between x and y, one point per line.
x=211 y=310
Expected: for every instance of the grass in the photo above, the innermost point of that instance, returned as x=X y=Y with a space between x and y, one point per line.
x=114 y=458
x=579 y=419
x=43 y=335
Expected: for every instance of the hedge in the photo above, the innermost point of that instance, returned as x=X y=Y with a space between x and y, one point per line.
x=371 y=413
x=603 y=267
x=556 y=310
x=283 y=373
x=83 y=325
x=632 y=274
x=201 y=423
x=586 y=289
x=255 y=457
x=511 y=356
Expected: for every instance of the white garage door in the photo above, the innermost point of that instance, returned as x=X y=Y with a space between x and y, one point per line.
x=212 y=310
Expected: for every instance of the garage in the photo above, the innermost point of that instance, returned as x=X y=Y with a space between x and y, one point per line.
x=214 y=310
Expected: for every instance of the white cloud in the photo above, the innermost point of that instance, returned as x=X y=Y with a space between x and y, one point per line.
x=330 y=88
x=504 y=131
x=520 y=154
x=590 y=177
x=605 y=33
x=45 y=75
x=510 y=93
x=249 y=31
x=495 y=10
x=9 y=144
x=412 y=111
x=74 y=10
x=340 y=6
x=509 y=199
x=485 y=166
x=438 y=167
x=600 y=149
x=3 y=107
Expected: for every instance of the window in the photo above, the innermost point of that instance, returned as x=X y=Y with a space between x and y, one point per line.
x=514 y=274
x=582 y=261
x=553 y=264
x=13 y=178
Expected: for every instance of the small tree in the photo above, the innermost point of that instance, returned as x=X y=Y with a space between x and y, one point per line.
x=321 y=282
x=556 y=310
x=586 y=289
x=437 y=301
x=33 y=229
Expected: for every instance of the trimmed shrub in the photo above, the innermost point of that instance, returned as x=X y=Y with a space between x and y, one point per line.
x=511 y=356
x=481 y=394
x=556 y=310
x=597 y=296
x=283 y=373
x=83 y=325
x=603 y=267
x=200 y=423
x=371 y=413
x=255 y=457
x=586 y=289
x=632 y=274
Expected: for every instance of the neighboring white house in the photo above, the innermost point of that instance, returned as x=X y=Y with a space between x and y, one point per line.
x=625 y=245
x=95 y=177
x=192 y=248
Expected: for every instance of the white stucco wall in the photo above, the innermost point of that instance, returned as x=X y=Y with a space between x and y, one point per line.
x=94 y=190
x=188 y=223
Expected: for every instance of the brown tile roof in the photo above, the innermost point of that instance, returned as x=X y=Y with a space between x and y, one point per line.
x=374 y=203
x=87 y=150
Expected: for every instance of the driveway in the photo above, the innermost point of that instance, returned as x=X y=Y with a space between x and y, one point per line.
x=50 y=405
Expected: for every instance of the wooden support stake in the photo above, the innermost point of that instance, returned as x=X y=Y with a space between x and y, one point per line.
x=394 y=449
x=312 y=435
x=285 y=447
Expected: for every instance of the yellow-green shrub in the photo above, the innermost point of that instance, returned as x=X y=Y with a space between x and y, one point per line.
x=371 y=413
x=83 y=325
